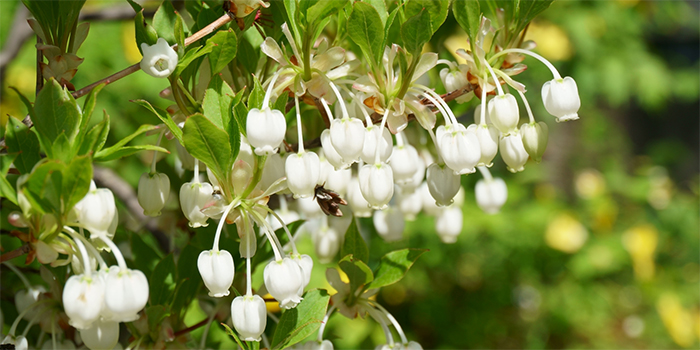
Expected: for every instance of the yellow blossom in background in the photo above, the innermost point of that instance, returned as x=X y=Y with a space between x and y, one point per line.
x=566 y=234
x=459 y=40
x=131 y=51
x=678 y=321
x=590 y=184
x=640 y=241
x=661 y=189
x=271 y=304
x=552 y=42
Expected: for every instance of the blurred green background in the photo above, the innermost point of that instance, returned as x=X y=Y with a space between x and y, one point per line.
x=597 y=246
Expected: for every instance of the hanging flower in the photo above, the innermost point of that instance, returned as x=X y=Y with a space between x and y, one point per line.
x=159 y=60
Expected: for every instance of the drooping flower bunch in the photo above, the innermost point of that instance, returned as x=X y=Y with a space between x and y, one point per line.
x=325 y=135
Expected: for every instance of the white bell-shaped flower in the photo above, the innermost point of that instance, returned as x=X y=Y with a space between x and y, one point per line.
x=491 y=194
x=409 y=203
x=417 y=177
x=428 y=203
x=326 y=244
x=153 y=193
x=370 y=144
x=306 y=264
x=389 y=224
x=443 y=184
x=265 y=130
x=357 y=202
x=96 y=210
x=560 y=98
x=317 y=345
x=303 y=171
x=308 y=207
x=83 y=300
x=217 y=270
x=159 y=60
x=487 y=135
x=348 y=137
x=448 y=224
x=459 y=148
x=334 y=180
x=513 y=152
x=126 y=293
x=18 y=343
x=249 y=317
x=504 y=113
x=193 y=197
x=24 y=299
x=377 y=184
x=454 y=78
x=284 y=279
x=535 y=137
x=477 y=114
x=329 y=152
x=102 y=335
x=404 y=163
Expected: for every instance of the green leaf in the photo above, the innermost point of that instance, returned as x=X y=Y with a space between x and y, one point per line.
x=76 y=182
x=437 y=9
x=89 y=106
x=164 y=21
x=414 y=34
x=247 y=55
x=380 y=6
x=230 y=332
x=164 y=117
x=60 y=148
x=156 y=314
x=56 y=112
x=162 y=281
x=6 y=189
x=179 y=31
x=240 y=112
x=217 y=102
x=224 y=48
x=365 y=29
x=390 y=23
x=468 y=15
x=298 y=323
x=358 y=272
x=394 y=266
x=208 y=143
x=107 y=152
x=324 y=9
x=354 y=244
x=190 y=56
x=95 y=139
x=526 y=11
x=22 y=141
x=145 y=257
x=145 y=33
x=256 y=97
x=126 y=151
x=55 y=187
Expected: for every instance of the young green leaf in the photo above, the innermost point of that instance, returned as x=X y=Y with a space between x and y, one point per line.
x=6 y=189
x=354 y=244
x=125 y=151
x=89 y=106
x=322 y=10
x=164 y=21
x=164 y=117
x=358 y=272
x=56 y=112
x=23 y=142
x=468 y=15
x=394 y=266
x=240 y=111
x=107 y=153
x=95 y=139
x=179 y=31
x=162 y=281
x=144 y=32
x=414 y=34
x=298 y=323
x=208 y=143
x=436 y=9
x=365 y=29
x=224 y=48
x=256 y=97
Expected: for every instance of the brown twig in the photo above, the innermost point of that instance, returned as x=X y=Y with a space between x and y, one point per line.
x=15 y=253
x=191 y=328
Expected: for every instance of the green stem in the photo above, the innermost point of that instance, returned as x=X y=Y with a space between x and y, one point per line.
x=409 y=76
x=259 y=166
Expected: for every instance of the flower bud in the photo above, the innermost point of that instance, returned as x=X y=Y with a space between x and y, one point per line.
x=504 y=113
x=249 y=239
x=370 y=144
x=249 y=317
x=159 y=60
x=17 y=219
x=284 y=280
x=560 y=98
x=491 y=194
x=487 y=135
x=448 y=224
x=24 y=299
x=306 y=264
x=389 y=224
x=216 y=268
x=96 y=210
x=459 y=148
x=326 y=244
x=303 y=170
x=535 y=139
x=404 y=163
x=454 y=78
x=44 y=252
x=377 y=184
x=126 y=293
x=265 y=130
x=348 y=137
x=193 y=197
x=330 y=153
x=102 y=335
x=442 y=183
x=357 y=202
x=153 y=192
x=513 y=152
x=83 y=300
